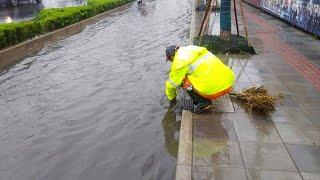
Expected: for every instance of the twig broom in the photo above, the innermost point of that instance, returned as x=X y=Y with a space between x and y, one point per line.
x=257 y=99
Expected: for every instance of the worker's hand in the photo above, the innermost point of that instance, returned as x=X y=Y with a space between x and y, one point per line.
x=173 y=102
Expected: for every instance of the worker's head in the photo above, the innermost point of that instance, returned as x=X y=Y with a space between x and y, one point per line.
x=170 y=52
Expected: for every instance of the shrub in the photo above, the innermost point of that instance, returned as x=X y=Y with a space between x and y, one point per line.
x=216 y=45
x=52 y=19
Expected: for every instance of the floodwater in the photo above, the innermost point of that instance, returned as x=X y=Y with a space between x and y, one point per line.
x=93 y=106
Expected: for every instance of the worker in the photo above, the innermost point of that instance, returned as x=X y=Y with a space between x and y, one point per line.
x=200 y=73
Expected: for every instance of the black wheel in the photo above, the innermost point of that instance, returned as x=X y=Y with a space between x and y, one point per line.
x=14 y=3
x=38 y=1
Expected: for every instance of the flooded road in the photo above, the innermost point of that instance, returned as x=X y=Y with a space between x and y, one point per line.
x=93 y=106
x=27 y=9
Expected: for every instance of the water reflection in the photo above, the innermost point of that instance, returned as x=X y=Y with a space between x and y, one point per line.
x=87 y=107
x=146 y=7
x=211 y=135
x=8 y=19
x=21 y=13
x=142 y=9
x=26 y=10
x=214 y=145
x=171 y=129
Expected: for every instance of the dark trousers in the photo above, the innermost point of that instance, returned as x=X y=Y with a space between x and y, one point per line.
x=196 y=98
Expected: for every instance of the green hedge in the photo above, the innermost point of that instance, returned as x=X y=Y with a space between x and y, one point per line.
x=51 y=19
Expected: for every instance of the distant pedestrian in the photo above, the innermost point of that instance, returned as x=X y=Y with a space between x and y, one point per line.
x=139 y=2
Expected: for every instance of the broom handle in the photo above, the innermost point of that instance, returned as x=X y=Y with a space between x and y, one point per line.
x=206 y=22
x=244 y=23
x=204 y=18
x=235 y=15
x=233 y=93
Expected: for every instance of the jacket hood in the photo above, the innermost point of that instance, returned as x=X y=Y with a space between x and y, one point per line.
x=187 y=55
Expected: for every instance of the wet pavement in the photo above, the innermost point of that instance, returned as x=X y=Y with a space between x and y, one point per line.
x=282 y=145
x=93 y=106
x=26 y=9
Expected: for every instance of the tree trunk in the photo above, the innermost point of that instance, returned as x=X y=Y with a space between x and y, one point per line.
x=225 y=19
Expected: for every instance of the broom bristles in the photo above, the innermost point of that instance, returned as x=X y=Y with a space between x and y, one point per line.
x=257 y=99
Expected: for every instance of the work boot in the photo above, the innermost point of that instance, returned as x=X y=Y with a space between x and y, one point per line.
x=202 y=106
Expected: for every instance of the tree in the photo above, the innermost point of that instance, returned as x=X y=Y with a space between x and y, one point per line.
x=225 y=19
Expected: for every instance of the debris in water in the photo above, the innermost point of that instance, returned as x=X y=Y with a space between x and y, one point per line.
x=257 y=99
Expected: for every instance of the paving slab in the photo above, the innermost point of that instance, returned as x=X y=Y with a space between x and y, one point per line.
x=311 y=176
x=301 y=89
x=215 y=153
x=274 y=88
x=281 y=69
x=290 y=115
x=257 y=117
x=298 y=133
x=240 y=86
x=306 y=157
x=313 y=57
x=276 y=62
x=240 y=74
x=239 y=116
x=263 y=69
x=257 y=78
x=215 y=173
x=313 y=113
x=269 y=175
x=315 y=61
x=266 y=156
x=237 y=70
x=298 y=79
x=287 y=101
x=308 y=51
x=242 y=77
x=307 y=100
x=239 y=108
x=218 y=127
x=229 y=60
x=257 y=132
x=251 y=62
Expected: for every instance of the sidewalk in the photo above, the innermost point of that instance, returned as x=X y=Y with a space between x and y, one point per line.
x=236 y=145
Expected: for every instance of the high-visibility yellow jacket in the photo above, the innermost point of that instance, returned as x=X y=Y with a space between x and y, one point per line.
x=206 y=72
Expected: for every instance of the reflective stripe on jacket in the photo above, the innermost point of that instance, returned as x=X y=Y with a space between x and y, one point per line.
x=206 y=72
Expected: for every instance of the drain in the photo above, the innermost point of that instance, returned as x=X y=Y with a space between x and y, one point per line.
x=222 y=104
x=187 y=104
